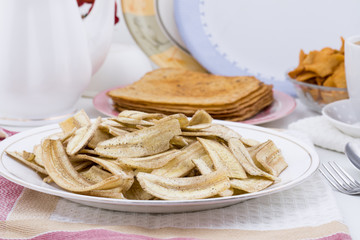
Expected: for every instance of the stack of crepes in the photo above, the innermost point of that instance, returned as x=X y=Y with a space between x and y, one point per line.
x=173 y=90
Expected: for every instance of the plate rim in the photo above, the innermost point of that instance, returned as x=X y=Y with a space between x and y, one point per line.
x=311 y=169
x=103 y=99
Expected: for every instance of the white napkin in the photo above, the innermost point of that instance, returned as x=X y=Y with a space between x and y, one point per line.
x=322 y=133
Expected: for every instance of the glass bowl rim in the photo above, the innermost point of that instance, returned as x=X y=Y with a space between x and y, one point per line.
x=294 y=81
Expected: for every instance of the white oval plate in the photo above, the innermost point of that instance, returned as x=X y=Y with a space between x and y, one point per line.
x=302 y=159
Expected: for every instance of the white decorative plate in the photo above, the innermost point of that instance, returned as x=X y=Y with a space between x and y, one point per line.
x=262 y=37
x=301 y=158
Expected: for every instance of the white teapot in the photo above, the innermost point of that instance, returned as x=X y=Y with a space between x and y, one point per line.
x=48 y=55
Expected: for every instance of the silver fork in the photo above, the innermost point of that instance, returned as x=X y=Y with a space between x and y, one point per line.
x=340 y=179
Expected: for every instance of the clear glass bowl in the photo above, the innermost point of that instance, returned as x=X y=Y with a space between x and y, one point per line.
x=315 y=97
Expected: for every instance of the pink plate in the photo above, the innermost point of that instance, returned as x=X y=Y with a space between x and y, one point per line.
x=282 y=106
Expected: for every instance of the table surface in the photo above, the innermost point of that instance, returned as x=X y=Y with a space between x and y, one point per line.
x=349 y=205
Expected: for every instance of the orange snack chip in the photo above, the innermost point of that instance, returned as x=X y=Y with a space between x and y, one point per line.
x=324 y=67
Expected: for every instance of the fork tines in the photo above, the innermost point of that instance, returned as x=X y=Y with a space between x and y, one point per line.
x=340 y=179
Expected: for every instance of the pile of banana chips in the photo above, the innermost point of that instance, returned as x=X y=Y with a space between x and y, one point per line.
x=152 y=156
x=174 y=90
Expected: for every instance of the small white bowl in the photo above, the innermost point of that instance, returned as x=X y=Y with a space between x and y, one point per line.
x=341 y=116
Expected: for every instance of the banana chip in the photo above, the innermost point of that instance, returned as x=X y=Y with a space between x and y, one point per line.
x=241 y=153
x=113 y=131
x=215 y=130
x=200 y=117
x=80 y=119
x=182 y=164
x=249 y=142
x=179 y=141
x=127 y=175
x=99 y=136
x=133 y=121
x=197 y=127
x=78 y=166
x=60 y=169
x=198 y=187
x=204 y=164
x=269 y=157
x=251 y=184
x=95 y=174
x=141 y=115
x=147 y=141
x=137 y=192
x=110 y=193
x=150 y=162
x=223 y=158
x=37 y=151
x=82 y=137
x=183 y=120
x=32 y=165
